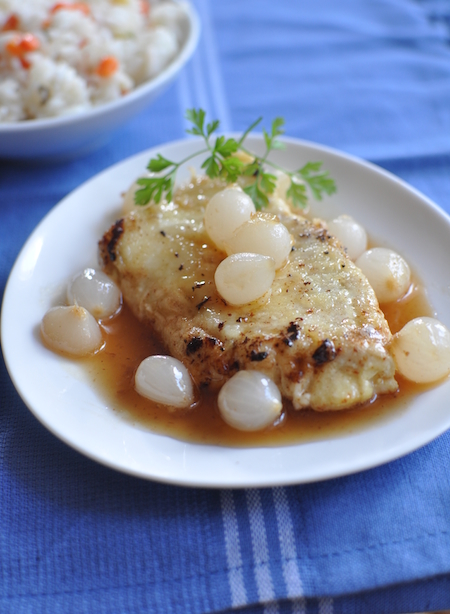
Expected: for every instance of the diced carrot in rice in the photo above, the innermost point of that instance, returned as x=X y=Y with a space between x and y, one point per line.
x=107 y=66
x=71 y=6
x=22 y=43
x=12 y=23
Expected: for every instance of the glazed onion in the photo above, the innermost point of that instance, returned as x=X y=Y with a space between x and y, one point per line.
x=262 y=234
x=249 y=401
x=245 y=277
x=72 y=330
x=421 y=350
x=165 y=380
x=387 y=272
x=225 y=212
x=351 y=234
x=96 y=292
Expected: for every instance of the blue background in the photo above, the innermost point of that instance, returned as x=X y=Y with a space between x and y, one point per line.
x=369 y=78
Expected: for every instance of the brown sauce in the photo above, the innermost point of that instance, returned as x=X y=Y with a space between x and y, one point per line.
x=127 y=343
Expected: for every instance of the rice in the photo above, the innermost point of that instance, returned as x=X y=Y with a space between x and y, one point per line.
x=66 y=57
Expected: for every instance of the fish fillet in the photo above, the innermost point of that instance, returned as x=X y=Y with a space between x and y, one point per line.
x=319 y=334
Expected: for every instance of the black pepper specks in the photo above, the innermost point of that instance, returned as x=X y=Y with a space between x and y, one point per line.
x=258 y=356
x=198 y=284
x=326 y=352
x=292 y=334
x=293 y=331
x=205 y=300
x=194 y=345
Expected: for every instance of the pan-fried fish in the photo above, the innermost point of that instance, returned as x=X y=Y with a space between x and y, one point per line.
x=319 y=334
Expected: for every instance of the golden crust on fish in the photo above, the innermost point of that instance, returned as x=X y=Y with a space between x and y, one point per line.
x=319 y=334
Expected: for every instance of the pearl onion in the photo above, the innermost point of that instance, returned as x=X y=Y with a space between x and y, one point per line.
x=249 y=401
x=421 y=350
x=387 y=272
x=96 y=292
x=243 y=278
x=165 y=380
x=72 y=330
x=351 y=234
x=225 y=212
x=262 y=234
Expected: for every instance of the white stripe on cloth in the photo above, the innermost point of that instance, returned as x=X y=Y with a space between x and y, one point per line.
x=233 y=550
x=200 y=83
x=211 y=56
x=263 y=577
x=288 y=549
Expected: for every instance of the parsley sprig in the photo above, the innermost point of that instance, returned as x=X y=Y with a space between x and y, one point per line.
x=223 y=160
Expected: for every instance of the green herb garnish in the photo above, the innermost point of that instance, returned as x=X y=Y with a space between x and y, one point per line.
x=222 y=161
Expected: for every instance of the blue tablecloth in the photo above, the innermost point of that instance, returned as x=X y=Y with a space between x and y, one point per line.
x=371 y=78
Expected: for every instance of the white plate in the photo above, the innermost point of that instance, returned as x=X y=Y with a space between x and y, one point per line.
x=58 y=395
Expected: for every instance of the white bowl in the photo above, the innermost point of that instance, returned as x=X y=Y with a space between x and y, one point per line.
x=74 y=135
